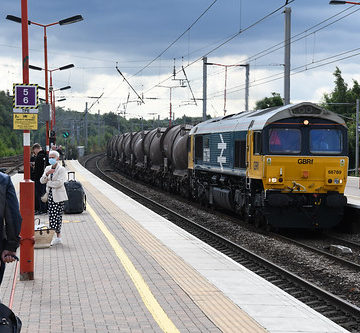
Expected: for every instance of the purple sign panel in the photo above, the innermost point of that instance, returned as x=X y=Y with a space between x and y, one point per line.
x=25 y=96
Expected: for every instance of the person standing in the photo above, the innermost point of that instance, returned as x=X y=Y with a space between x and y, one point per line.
x=10 y=214
x=54 y=177
x=60 y=150
x=41 y=161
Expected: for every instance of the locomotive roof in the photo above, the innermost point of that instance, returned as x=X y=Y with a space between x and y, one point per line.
x=257 y=120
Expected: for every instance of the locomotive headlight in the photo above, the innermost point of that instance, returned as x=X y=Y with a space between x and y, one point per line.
x=306 y=122
x=336 y=181
x=273 y=180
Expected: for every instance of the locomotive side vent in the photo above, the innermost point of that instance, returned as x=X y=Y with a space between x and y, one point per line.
x=306 y=109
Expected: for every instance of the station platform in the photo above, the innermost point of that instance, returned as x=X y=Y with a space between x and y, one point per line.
x=352 y=191
x=123 y=268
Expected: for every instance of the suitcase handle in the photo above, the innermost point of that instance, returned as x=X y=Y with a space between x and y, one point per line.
x=73 y=173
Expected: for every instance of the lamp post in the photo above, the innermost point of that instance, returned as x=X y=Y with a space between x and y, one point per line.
x=52 y=101
x=52 y=92
x=26 y=185
x=73 y=19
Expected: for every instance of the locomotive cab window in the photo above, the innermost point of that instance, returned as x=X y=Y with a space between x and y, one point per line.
x=284 y=140
x=257 y=143
x=326 y=141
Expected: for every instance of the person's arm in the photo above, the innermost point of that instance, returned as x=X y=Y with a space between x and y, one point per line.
x=44 y=177
x=61 y=178
x=12 y=223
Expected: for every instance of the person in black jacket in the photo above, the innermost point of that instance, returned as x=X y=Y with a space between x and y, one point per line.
x=10 y=230
x=41 y=161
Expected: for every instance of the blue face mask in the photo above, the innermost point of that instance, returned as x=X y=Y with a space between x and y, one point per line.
x=52 y=161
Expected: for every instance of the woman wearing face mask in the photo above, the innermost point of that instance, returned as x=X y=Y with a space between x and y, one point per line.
x=54 y=177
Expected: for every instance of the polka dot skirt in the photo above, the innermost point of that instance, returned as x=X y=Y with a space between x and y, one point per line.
x=55 y=211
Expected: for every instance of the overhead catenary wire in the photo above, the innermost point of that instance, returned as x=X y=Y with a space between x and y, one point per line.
x=225 y=42
x=295 y=38
x=172 y=43
x=186 y=78
x=117 y=68
x=296 y=70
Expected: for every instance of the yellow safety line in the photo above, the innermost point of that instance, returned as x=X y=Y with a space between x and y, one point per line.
x=146 y=295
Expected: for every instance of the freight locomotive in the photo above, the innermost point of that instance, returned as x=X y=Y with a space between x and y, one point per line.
x=282 y=167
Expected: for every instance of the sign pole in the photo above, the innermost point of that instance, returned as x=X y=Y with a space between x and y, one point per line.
x=27 y=185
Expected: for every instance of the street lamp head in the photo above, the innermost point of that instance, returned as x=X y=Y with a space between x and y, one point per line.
x=66 y=67
x=15 y=19
x=65 y=88
x=336 y=2
x=35 y=68
x=73 y=19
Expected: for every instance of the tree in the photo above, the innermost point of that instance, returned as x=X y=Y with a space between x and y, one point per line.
x=342 y=100
x=342 y=94
x=269 y=102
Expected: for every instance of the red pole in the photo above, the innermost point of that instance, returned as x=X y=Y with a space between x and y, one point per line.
x=170 y=109
x=226 y=67
x=51 y=101
x=26 y=186
x=46 y=89
x=54 y=110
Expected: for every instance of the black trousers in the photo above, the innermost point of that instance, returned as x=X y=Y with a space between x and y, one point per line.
x=40 y=190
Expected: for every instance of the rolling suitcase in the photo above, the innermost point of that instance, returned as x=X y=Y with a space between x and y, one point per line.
x=9 y=322
x=76 y=195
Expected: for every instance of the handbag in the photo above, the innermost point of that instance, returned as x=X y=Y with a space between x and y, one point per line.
x=43 y=235
x=44 y=198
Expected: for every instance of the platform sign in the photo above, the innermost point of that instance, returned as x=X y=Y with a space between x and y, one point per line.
x=24 y=121
x=25 y=96
x=26 y=111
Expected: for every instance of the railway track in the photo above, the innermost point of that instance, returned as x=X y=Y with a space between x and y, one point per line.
x=322 y=251
x=11 y=164
x=329 y=305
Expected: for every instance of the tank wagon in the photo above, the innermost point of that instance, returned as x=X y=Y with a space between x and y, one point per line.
x=283 y=167
x=159 y=156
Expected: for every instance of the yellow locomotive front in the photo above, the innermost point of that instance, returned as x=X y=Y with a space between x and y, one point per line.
x=315 y=174
x=303 y=168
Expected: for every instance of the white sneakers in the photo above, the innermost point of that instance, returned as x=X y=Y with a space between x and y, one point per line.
x=55 y=241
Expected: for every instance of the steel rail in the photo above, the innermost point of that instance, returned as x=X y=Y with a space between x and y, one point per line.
x=321 y=252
